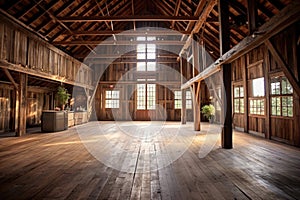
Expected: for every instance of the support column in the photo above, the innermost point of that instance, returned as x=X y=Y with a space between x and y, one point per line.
x=226 y=72
x=21 y=105
x=196 y=105
x=183 y=68
x=252 y=15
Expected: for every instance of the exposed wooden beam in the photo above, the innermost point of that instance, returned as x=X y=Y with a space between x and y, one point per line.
x=264 y=10
x=107 y=56
x=66 y=5
x=108 y=43
x=18 y=68
x=284 y=66
x=139 y=32
x=120 y=18
x=252 y=15
x=206 y=11
x=132 y=10
x=42 y=12
x=9 y=76
x=286 y=17
x=176 y=11
x=277 y=4
x=28 y=9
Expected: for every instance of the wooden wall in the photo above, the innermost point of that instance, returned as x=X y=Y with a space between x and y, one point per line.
x=27 y=53
x=261 y=63
x=22 y=52
x=165 y=85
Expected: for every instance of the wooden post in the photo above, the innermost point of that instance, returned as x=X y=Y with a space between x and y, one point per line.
x=226 y=71
x=195 y=53
x=22 y=104
x=183 y=68
x=245 y=61
x=266 y=65
x=252 y=16
x=196 y=105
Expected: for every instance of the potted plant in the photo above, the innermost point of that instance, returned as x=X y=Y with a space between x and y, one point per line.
x=209 y=112
x=62 y=97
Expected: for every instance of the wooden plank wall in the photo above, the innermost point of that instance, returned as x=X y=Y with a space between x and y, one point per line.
x=164 y=94
x=260 y=63
x=5 y=107
x=29 y=52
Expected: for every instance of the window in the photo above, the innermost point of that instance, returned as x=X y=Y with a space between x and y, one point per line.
x=112 y=99
x=177 y=99
x=257 y=100
x=188 y=100
x=238 y=99
x=281 y=97
x=146 y=102
x=146 y=52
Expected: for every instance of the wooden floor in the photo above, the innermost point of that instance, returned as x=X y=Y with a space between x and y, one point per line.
x=58 y=166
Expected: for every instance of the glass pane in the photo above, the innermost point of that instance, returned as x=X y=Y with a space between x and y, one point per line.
x=141 y=56
x=258 y=87
x=236 y=91
x=151 y=38
x=178 y=104
x=177 y=95
x=188 y=95
x=151 y=48
x=108 y=94
x=188 y=104
x=141 y=66
x=151 y=66
x=242 y=105
x=115 y=94
x=141 y=48
x=241 y=92
x=151 y=55
x=141 y=38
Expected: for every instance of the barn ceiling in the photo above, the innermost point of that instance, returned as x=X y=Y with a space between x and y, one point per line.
x=77 y=26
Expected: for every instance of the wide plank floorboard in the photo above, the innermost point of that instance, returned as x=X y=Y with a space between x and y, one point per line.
x=59 y=166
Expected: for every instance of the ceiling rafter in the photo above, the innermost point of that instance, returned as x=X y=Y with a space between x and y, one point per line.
x=71 y=12
x=127 y=18
x=43 y=11
x=27 y=9
x=56 y=13
x=115 y=43
x=277 y=4
x=176 y=11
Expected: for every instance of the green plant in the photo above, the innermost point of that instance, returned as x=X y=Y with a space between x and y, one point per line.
x=62 y=96
x=208 y=111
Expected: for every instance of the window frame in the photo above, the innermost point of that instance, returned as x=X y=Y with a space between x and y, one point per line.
x=113 y=100
x=240 y=99
x=256 y=109
x=279 y=95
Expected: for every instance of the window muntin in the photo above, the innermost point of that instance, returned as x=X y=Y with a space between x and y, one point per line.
x=146 y=52
x=177 y=99
x=141 y=96
x=151 y=95
x=281 y=97
x=257 y=106
x=189 y=103
x=146 y=96
x=238 y=97
x=112 y=98
x=257 y=100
